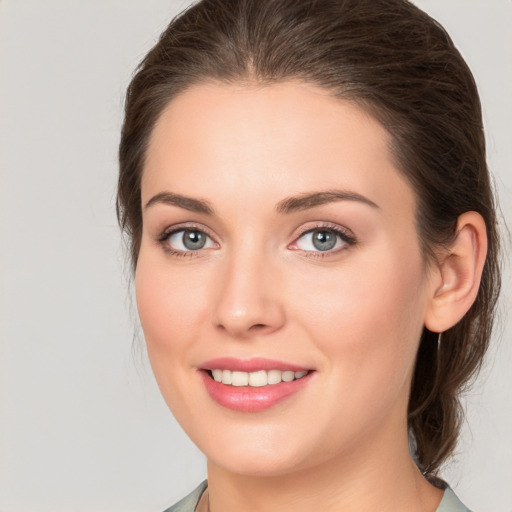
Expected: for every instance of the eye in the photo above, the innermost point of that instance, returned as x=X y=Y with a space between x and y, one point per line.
x=322 y=240
x=185 y=240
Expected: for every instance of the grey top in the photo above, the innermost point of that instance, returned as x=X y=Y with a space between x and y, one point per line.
x=449 y=503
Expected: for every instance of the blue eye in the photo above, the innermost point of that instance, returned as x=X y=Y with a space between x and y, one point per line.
x=186 y=240
x=322 y=240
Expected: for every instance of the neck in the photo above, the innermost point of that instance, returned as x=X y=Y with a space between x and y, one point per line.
x=378 y=478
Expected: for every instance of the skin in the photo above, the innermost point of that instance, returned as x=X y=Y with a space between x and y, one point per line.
x=259 y=288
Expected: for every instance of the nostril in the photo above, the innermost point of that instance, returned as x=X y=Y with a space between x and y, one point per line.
x=257 y=327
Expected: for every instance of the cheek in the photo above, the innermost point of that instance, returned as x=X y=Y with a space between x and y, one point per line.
x=167 y=304
x=373 y=293
x=370 y=330
x=166 y=309
x=368 y=316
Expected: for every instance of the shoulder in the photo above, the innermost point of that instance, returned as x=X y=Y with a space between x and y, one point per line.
x=189 y=502
x=450 y=503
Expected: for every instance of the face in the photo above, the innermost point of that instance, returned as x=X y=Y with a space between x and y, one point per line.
x=280 y=283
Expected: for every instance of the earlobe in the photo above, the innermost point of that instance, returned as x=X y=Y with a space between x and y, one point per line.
x=459 y=273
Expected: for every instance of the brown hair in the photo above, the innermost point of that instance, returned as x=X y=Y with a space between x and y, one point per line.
x=399 y=64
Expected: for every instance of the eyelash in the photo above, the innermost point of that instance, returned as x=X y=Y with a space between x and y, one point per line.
x=345 y=237
x=166 y=235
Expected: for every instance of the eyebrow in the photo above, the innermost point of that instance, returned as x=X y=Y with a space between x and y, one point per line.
x=188 y=203
x=289 y=205
x=310 y=200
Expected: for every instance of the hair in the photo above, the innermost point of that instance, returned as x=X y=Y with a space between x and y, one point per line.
x=397 y=63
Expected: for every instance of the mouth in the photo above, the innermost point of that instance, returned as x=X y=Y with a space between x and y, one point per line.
x=252 y=385
x=259 y=378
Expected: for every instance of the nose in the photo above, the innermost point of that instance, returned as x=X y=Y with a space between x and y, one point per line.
x=249 y=299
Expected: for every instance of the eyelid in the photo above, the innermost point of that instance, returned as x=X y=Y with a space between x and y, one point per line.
x=168 y=232
x=346 y=235
x=184 y=226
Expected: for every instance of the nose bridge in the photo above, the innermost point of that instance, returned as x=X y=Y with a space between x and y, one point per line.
x=248 y=300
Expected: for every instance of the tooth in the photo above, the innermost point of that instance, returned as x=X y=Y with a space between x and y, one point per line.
x=257 y=379
x=274 y=376
x=226 y=377
x=288 y=376
x=239 y=378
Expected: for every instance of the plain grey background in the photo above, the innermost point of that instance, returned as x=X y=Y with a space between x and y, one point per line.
x=82 y=425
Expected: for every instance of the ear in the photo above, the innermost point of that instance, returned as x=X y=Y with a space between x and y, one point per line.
x=457 y=278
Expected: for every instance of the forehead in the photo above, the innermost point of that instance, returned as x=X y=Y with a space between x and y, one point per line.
x=285 y=138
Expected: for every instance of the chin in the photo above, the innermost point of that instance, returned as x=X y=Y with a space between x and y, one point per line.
x=262 y=465
x=262 y=453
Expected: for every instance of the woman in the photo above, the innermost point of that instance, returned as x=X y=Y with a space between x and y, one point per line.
x=314 y=243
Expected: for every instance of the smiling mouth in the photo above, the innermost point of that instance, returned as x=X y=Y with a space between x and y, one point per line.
x=258 y=378
x=253 y=385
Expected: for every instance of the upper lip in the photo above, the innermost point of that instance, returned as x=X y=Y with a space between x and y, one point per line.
x=249 y=365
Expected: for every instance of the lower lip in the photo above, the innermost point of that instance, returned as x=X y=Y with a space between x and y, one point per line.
x=252 y=399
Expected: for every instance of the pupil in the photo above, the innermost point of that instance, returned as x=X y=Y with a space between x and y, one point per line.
x=324 y=240
x=194 y=240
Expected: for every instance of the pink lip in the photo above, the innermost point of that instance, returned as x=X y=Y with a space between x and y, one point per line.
x=247 y=398
x=249 y=365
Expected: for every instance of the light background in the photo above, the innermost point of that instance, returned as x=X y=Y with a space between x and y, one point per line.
x=82 y=425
